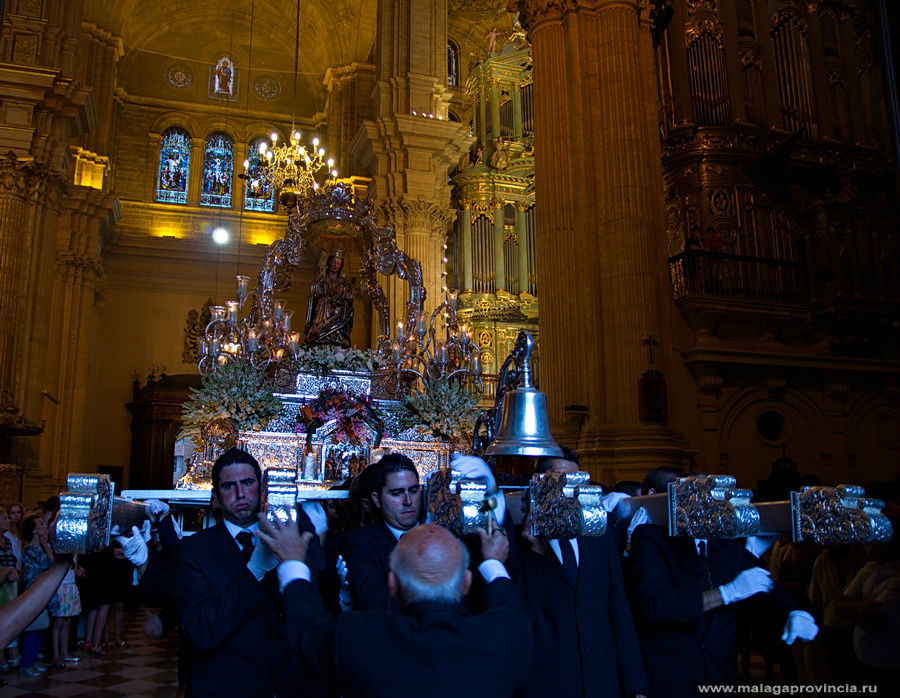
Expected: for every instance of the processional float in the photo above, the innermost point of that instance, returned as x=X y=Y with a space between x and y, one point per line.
x=297 y=470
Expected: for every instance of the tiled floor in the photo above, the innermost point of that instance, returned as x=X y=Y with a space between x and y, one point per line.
x=142 y=668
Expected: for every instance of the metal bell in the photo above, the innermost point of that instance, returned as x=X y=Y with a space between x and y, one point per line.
x=524 y=428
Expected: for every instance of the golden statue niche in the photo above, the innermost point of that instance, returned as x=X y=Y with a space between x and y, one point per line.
x=329 y=313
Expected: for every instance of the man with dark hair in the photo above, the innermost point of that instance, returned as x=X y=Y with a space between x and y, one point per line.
x=569 y=462
x=226 y=603
x=585 y=639
x=397 y=496
x=434 y=646
x=657 y=480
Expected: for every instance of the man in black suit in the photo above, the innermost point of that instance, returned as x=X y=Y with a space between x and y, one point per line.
x=685 y=599
x=433 y=646
x=398 y=497
x=227 y=611
x=584 y=634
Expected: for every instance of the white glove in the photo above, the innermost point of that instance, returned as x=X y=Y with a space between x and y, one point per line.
x=157 y=507
x=475 y=468
x=317 y=516
x=799 y=626
x=134 y=548
x=177 y=527
x=749 y=582
x=611 y=500
x=345 y=597
x=758 y=545
x=145 y=531
x=262 y=560
x=640 y=517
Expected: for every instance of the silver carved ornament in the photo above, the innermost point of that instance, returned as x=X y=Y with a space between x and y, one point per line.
x=838 y=515
x=566 y=505
x=88 y=511
x=709 y=506
x=457 y=503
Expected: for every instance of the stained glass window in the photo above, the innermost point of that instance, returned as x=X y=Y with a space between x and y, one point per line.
x=218 y=171
x=452 y=64
x=258 y=194
x=174 y=166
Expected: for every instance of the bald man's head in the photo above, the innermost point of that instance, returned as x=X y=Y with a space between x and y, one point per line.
x=429 y=564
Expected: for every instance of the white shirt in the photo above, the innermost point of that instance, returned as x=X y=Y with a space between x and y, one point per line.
x=554 y=546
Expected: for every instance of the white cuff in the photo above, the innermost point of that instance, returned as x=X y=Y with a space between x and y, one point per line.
x=290 y=571
x=803 y=614
x=493 y=569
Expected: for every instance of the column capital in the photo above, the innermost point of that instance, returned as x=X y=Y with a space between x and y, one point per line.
x=497 y=204
x=418 y=215
x=532 y=13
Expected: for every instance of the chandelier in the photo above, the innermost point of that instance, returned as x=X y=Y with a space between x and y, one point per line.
x=418 y=354
x=294 y=169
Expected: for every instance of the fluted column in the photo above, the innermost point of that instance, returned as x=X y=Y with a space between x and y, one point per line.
x=467 y=284
x=600 y=239
x=522 y=236
x=349 y=90
x=482 y=119
x=15 y=185
x=499 y=266
x=407 y=151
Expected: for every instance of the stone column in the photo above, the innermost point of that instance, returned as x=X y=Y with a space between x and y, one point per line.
x=499 y=266
x=467 y=263
x=16 y=181
x=195 y=176
x=482 y=119
x=349 y=102
x=600 y=241
x=408 y=153
x=522 y=236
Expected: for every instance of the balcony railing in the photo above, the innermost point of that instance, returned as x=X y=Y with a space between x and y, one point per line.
x=705 y=273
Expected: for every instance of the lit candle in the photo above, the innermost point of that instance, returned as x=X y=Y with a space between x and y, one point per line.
x=214 y=347
x=217 y=312
x=476 y=364
x=294 y=343
x=232 y=312
x=252 y=340
x=399 y=331
x=286 y=320
x=277 y=354
x=278 y=308
x=202 y=348
x=243 y=284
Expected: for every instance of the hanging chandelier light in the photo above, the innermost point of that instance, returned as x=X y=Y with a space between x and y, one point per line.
x=296 y=170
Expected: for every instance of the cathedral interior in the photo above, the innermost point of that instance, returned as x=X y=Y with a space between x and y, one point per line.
x=691 y=204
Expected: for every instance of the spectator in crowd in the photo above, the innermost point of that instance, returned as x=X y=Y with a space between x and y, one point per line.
x=872 y=602
x=37 y=557
x=15 y=511
x=10 y=574
x=96 y=597
x=65 y=604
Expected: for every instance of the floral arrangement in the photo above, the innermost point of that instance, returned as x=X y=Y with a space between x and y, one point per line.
x=235 y=391
x=325 y=359
x=448 y=408
x=353 y=413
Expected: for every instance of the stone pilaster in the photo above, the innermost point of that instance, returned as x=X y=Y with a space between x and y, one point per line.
x=599 y=224
x=409 y=146
x=349 y=103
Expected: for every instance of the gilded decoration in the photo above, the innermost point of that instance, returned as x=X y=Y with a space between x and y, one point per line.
x=195 y=324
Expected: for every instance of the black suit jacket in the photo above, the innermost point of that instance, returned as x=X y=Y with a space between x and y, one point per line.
x=426 y=650
x=584 y=636
x=230 y=621
x=682 y=645
x=367 y=552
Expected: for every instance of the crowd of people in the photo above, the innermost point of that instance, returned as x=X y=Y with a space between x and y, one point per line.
x=73 y=621
x=365 y=597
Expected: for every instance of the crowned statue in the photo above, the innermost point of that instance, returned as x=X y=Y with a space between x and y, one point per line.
x=329 y=314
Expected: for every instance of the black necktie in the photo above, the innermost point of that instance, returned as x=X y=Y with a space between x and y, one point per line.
x=245 y=540
x=704 y=558
x=570 y=567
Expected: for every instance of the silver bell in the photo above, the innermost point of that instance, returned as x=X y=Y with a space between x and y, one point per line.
x=524 y=427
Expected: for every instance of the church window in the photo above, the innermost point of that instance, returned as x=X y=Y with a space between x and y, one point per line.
x=222 y=79
x=452 y=64
x=259 y=195
x=218 y=170
x=174 y=166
